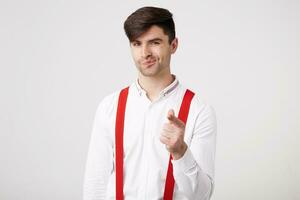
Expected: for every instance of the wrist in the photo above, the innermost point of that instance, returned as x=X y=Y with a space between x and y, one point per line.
x=178 y=154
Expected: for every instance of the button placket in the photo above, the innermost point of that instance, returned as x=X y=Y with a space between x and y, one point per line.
x=147 y=140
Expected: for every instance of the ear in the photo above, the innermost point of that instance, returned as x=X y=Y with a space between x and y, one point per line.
x=174 y=45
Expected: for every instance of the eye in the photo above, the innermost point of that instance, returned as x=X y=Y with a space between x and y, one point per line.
x=136 y=44
x=155 y=42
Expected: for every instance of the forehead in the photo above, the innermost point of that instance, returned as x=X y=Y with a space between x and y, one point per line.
x=153 y=32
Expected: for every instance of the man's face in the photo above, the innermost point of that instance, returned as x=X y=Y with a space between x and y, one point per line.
x=151 y=52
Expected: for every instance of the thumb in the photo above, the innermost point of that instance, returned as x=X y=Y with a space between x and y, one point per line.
x=171 y=115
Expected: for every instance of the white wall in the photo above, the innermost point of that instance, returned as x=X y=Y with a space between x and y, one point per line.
x=59 y=58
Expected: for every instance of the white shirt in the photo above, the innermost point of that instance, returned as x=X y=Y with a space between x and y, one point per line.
x=145 y=157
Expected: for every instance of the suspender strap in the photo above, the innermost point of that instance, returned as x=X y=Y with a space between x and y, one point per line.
x=119 y=129
x=183 y=114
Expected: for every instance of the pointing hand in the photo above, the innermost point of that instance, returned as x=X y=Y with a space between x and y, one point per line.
x=172 y=136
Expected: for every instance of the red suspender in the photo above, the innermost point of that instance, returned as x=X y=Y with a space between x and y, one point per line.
x=119 y=129
x=183 y=114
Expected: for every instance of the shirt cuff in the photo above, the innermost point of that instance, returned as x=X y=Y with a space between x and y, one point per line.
x=184 y=164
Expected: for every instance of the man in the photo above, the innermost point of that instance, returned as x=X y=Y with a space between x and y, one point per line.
x=157 y=145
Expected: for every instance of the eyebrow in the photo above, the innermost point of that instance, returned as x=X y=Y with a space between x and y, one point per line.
x=155 y=39
x=152 y=40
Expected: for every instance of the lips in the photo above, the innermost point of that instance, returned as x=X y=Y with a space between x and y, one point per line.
x=150 y=62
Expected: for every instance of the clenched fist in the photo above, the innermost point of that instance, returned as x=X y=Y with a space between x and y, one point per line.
x=172 y=136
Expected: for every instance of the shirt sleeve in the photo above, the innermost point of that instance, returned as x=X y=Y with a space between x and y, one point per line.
x=194 y=172
x=99 y=164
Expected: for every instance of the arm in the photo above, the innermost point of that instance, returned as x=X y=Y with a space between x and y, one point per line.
x=194 y=171
x=99 y=163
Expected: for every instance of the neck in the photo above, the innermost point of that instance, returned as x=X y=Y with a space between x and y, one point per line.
x=154 y=85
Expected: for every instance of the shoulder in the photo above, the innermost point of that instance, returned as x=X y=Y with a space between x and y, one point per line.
x=108 y=103
x=199 y=105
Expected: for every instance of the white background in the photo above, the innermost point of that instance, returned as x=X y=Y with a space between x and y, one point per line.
x=59 y=58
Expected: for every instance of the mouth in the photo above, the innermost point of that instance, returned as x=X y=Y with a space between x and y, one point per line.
x=149 y=63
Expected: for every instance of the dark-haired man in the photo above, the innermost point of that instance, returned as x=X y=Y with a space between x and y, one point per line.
x=141 y=149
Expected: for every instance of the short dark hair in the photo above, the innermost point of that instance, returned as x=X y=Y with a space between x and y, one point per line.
x=142 y=19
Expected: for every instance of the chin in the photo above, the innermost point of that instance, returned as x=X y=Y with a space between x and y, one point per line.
x=149 y=73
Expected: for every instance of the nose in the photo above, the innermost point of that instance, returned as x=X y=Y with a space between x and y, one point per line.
x=146 y=51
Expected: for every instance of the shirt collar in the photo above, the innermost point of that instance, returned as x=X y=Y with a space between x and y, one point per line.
x=164 y=92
